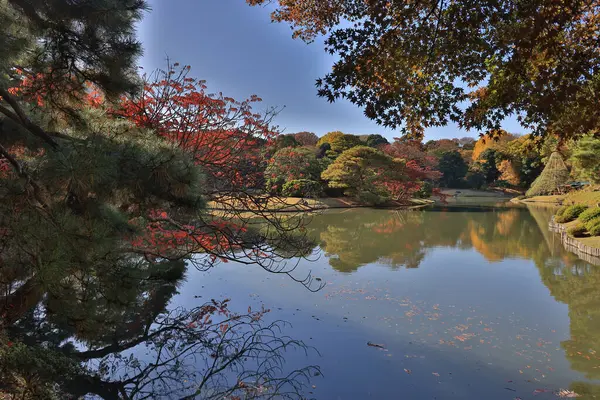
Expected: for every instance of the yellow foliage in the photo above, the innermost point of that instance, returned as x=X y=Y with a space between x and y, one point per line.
x=330 y=137
x=499 y=143
x=509 y=172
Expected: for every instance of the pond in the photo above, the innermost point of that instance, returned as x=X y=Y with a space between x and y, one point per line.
x=446 y=302
x=465 y=302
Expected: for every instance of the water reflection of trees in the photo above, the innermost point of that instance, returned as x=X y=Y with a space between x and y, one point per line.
x=402 y=238
x=107 y=329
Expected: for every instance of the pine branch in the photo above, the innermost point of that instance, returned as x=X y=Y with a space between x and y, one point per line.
x=20 y=117
x=11 y=160
x=37 y=191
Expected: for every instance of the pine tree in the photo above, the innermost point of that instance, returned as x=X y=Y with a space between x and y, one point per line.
x=100 y=210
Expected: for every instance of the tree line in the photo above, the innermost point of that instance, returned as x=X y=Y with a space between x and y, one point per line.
x=372 y=170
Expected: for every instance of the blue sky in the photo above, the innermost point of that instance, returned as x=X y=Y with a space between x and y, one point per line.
x=239 y=52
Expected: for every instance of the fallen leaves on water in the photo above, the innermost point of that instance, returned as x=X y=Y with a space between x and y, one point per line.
x=464 y=337
x=564 y=393
x=538 y=391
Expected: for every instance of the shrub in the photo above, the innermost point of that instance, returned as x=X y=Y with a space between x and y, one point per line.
x=502 y=184
x=475 y=179
x=561 y=210
x=589 y=214
x=591 y=223
x=302 y=188
x=593 y=227
x=571 y=213
x=578 y=230
x=425 y=191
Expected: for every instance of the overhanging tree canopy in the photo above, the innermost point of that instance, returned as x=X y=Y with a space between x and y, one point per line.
x=104 y=179
x=425 y=63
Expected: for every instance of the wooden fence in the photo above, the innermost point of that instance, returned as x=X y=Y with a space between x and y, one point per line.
x=586 y=253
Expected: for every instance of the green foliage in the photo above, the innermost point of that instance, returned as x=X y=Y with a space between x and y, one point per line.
x=93 y=41
x=376 y=140
x=292 y=163
x=424 y=73
x=586 y=158
x=589 y=214
x=489 y=159
x=425 y=191
x=322 y=150
x=283 y=141
x=49 y=367
x=571 y=213
x=453 y=168
x=578 y=230
x=302 y=188
x=475 y=179
x=593 y=227
x=342 y=143
x=554 y=175
x=361 y=172
x=561 y=210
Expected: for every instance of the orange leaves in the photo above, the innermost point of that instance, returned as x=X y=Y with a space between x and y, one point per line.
x=164 y=237
x=224 y=135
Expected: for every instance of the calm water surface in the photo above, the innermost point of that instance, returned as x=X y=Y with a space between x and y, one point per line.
x=473 y=303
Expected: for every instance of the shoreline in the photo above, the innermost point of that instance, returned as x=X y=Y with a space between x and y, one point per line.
x=587 y=253
x=299 y=204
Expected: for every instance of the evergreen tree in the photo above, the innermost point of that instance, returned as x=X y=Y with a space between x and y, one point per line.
x=453 y=168
x=586 y=158
x=102 y=204
x=554 y=175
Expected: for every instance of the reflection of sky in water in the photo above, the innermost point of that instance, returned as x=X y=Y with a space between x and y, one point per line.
x=464 y=324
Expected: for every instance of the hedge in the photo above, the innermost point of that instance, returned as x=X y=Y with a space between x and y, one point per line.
x=589 y=214
x=578 y=230
x=571 y=213
x=593 y=226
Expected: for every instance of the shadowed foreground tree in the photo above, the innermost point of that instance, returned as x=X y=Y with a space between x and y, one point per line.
x=415 y=64
x=105 y=179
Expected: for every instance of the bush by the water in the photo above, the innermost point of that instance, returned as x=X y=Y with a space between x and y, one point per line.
x=570 y=213
x=578 y=230
x=589 y=214
x=593 y=226
x=302 y=188
x=425 y=191
x=561 y=210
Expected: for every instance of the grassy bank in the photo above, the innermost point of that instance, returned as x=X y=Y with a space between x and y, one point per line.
x=589 y=196
x=295 y=204
x=591 y=241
